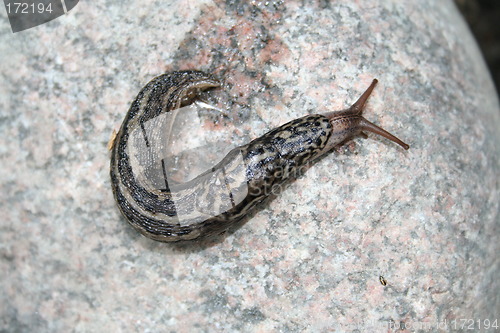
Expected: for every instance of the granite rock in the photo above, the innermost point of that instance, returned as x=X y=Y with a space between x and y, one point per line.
x=426 y=219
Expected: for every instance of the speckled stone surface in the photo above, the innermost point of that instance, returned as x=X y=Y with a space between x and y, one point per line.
x=426 y=219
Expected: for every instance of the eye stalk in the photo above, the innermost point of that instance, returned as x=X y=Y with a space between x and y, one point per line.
x=353 y=123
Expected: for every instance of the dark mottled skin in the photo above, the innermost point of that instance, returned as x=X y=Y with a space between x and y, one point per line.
x=268 y=160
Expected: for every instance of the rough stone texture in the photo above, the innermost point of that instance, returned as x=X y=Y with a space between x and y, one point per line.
x=426 y=219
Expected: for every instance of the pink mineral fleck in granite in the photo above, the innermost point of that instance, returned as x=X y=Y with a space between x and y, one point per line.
x=426 y=219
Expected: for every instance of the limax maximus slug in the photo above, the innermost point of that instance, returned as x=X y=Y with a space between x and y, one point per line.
x=210 y=203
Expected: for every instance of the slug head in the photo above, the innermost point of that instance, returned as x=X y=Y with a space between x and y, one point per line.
x=349 y=123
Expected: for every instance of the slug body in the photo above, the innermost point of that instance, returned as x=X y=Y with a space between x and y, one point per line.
x=213 y=201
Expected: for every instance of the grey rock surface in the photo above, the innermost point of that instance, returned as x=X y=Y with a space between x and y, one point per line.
x=426 y=219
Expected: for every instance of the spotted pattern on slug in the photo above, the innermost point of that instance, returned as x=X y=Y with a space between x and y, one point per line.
x=213 y=201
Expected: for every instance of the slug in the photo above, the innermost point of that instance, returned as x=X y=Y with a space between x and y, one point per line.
x=213 y=201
